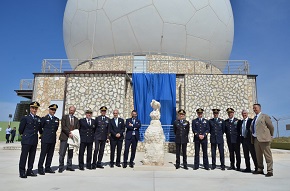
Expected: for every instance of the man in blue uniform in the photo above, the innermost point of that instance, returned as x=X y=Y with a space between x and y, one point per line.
x=117 y=129
x=217 y=130
x=132 y=136
x=28 y=129
x=181 y=130
x=200 y=129
x=87 y=130
x=49 y=126
x=233 y=139
x=102 y=134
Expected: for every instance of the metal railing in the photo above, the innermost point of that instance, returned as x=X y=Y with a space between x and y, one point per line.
x=26 y=84
x=167 y=129
x=150 y=65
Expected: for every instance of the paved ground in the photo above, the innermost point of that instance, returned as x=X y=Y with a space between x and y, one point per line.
x=142 y=178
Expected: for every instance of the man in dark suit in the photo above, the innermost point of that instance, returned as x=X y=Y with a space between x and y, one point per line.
x=49 y=126
x=28 y=129
x=68 y=123
x=132 y=136
x=245 y=133
x=102 y=135
x=200 y=129
x=117 y=129
x=233 y=139
x=217 y=130
x=13 y=133
x=181 y=130
x=87 y=130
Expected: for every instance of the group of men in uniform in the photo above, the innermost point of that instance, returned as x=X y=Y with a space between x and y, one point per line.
x=100 y=131
x=255 y=136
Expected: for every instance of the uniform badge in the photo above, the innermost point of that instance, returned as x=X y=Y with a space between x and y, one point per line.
x=185 y=123
x=204 y=122
x=235 y=123
x=220 y=122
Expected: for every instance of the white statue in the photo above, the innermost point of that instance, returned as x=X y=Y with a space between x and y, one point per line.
x=154 y=138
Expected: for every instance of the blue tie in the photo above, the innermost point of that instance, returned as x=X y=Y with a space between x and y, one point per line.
x=253 y=127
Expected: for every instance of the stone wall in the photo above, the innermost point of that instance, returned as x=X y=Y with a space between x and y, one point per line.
x=96 y=90
x=47 y=88
x=154 y=63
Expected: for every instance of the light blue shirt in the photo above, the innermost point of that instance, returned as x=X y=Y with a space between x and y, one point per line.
x=255 y=127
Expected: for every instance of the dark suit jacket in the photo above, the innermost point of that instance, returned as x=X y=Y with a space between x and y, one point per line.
x=217 y=130
x=200 y=128
x=102 y=131
x=135 y=128
x=232 y=131
x=65 y=127
x=48 y=129
x=248 y=131
x=87 y=131
x=181 y=131
x=28 y=129
x=117 y=129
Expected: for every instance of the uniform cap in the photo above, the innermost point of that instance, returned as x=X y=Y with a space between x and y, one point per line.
x=199 y=110
x=103 y=108
x=53 y=106
x=34 y=104
x=229 y=110
x=215 y=110
x=88 y=110
x=181 y=111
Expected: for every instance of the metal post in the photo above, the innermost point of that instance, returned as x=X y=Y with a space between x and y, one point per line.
x=277 y=121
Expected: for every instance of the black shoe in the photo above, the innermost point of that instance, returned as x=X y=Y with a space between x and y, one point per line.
x=238 y=169
x=112 y=165
x=30 y=174
x=223 y=168
x=49 y=171
x=23 y=175
x=70 y=169
x=89 y=167
x=246 y=170
x=231 y=168
x=99 y=166
x=118 y=165
x=81 y=168
x=195 y=168
x=206 y=168
x=40 y=172
x=213 y=167
x=185 y=167
x=124 y=165
x=269 y=174
x=177 y=167
x=93 y=166
x=258 y=172
x=131 y=165
x=60 y=170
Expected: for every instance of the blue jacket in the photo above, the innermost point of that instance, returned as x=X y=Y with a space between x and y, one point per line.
x=28 y=129
x=200 y=128
x=217 y=130
x=48 y=129
x=232 y=131
x=135 y=128
x=181 y=131
x=87 y=131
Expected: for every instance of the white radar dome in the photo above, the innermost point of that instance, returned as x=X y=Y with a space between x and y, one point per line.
x=200 y=29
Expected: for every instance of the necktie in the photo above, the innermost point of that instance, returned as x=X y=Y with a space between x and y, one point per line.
x=200 y=119
x=89 y=122
x=116 y=122
x=103 y=118
x=253 y=126
x=216 y=119
x=133 y=121
x=244 y=128
x=71 y=120
x=181 y=121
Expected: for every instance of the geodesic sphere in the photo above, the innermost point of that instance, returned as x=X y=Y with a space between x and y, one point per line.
x=201 y=29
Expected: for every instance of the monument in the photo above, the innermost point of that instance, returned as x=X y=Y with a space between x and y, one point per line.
x=154 y=138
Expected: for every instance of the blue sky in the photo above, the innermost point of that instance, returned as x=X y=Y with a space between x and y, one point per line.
x=32 y=31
